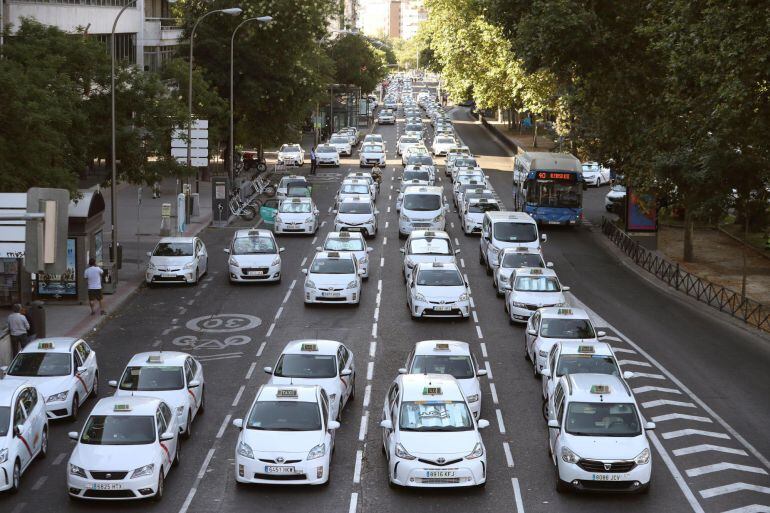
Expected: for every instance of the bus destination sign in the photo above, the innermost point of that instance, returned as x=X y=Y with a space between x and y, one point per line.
x=556 y=175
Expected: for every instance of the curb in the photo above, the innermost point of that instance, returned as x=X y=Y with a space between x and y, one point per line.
x=505 y=141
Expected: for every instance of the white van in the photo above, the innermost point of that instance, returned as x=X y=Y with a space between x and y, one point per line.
x=500 y=230
x=422 y=208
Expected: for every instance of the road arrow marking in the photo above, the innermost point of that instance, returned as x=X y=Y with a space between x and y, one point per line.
x=734 y=487
x=691 y=432
x=718 y=467
x=708 y=447
x=664 y=402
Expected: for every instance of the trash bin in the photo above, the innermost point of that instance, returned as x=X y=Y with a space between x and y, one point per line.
x=109 y=283
x=120 y=255
x=37 y=316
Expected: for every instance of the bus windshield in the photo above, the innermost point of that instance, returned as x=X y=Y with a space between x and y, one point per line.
x=550 y=193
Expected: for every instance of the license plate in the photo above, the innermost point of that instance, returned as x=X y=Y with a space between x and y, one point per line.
x=256 y=273
x=608 y=477
x=442 y=307
x=273 y=469
x=168 y=275
x=107 y=486
x=554 y=222
x=439 y=473
x=330 y=294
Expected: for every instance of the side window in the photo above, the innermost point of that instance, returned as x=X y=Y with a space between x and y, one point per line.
x=558 y=395
x=161 y=422
x=536 y=321
x=19 y=415
x=324 y=406
x=189 y=369
x=552 y=359
x=77 y=361
x=32 y=399
x=166 y=412
x=560 y=410
x=82 y=350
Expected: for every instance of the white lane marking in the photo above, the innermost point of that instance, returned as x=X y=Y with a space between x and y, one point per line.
x=293 y=282
x=315 y=239
x=206 y=461
x=369 y=371
x=664 y=402
x=206 y=359
x=684 y=451
x=238 y=396
x=483 y=349
x=386 y=225
x=353 y=500
x=374 y=330
x=475 y=317
x=500 y=424
x=357 y=470
x=251 y=370
x=754 y=508
x=388 y=210
x=19 y=507
x=384 y=241
x=222 y=428
x=718 y=467
x=323 y=223
x=198 y=293
x=367 y=395
x=508 y=455
x=261 y=348
x=330 y=209
x=641 y=390
x=694 y=432
x=478 y=332
x=174 y=320
x=188 y=500
x=620 y=349
x=304 y=261
x=451 y=224
x=190 y=302
x=457 y=241
x=372 y=349
x=517 y=495
x=493 y=390
x=382 y=261
x=157 y=343
x=489 y=369
x=646 y=375
x=390 y=197
x=681 y=416
x=362 y=429
x=39 y=483
x=270 y=330
x=734 y=487
x=59 y=458
x=472 y=305
x=462 y=263
x=678 y=478
x=169 y=330
x=634 y=362
x=379 y=285
x=278 y=313
x=376 y=313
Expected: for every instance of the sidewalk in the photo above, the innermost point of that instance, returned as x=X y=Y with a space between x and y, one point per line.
x=522 y=141
x=138 y=231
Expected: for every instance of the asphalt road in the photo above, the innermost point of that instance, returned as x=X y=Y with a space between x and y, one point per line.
x=702 y=380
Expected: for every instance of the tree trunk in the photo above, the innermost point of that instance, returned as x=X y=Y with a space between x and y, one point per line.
x=689 y=252
x=534 y=133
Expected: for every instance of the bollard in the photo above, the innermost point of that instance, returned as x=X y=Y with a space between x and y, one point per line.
x=165 y=220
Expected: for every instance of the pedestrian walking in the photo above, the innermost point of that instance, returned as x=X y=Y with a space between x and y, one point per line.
x=313 y=161
x=93 y=275
x=18 y=326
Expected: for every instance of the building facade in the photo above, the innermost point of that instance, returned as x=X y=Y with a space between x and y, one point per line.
x=413 y=14
x=393 y=19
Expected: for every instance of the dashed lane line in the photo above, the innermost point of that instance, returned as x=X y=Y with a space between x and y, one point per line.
x=238 y=396
x=508 y=455
x=493 y=391
x=500 y=423
x=261 y=348
x=718 y=467
x=684 y=451
x=39 y=483
x=478 y=332
x=357 y=468
x=59 y=459
x=364 y=426
x=251 y=370
x=222 y=428
x=353 y=502
x=489 y=369
x=517 y=495
x=483 y=349
x=367 y=395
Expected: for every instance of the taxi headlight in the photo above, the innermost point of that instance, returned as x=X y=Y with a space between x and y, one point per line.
x=364 y=260
x=245 y=451
x=542 y=354
x=353 y=284
x=472 y=398
x=150 y=265
x=419 y=297
x=519 y=305
x=146 y=470
x=179 y=410
x=189 y=265
x=402 y=453
x=568 y=456
x=277 y=261
x=76 y=471
x=310 y=219
x=309 y=284
x=438 y=218
x=3 y=455
x=403 y=218
x=232 y=261
x=61 y=396
x=478 y=452
x=277 y=219
x=643 y=458
x=317 y=451
x=463 y=297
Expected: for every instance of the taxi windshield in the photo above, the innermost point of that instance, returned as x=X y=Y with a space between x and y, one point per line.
x=173 y=249
x=339 y=140
x=417 y=175
x=459 y=366
x=41 y=364
x=355 y=207
x=423 y=160
x=253 y=246
x=537 y=284
x=602 y=419
x=290 y=148
x=119 y=430
x=409 y=140
x=306 y=366
x=472 y=194
x=422 y=202
x=439 y=278
x=515 y=232
x=471 y=180
x=522 y=260
x=445 y=140
x=332 y=266
x=372 y=148
x=463 y=162
x=435 y=416
x=480 y=208
x=152 y=378
x=292 y=182
x=429 y=246
x=289 y=415
x=585 y=364
x=290 y=207
x=326 y=149
x=354 y=189
x=351 y=244
x=567 y=328
x=5 y=420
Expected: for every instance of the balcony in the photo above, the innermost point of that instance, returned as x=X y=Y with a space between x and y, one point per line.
x=162 y=31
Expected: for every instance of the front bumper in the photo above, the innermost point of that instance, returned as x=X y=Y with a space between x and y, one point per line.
x=290 y=161
x=344 y=296
x=637 y=478
x=6 y=475
x=428 y=309
x=123 y=489
x=472 y=227
x=252 y=274
x=178 y=276
x=519 y=314
x=59 y=409
x=372 y=162
x=367 y=229
x=283 y=227
x=328 y=162
x=406 y=227
x=414 y=473
x=313 y=472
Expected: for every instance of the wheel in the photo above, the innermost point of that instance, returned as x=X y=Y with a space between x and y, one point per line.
x=16 y=479
x=188 y=427
x=159 y=493
x=197 y=277
x=545 y=410
x=262 y=167
x=561 y=486
x=43 y=445
x=248 y=213
x=74 y=408
x=481 y=257
x=535 y=374
x=95 y=387
x=175 y=463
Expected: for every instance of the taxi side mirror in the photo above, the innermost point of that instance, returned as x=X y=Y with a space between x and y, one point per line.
x=402 y=251
x=649 y=426
x=482 y=423
x=17 y=430
x=149 y=253
x=346 y=372
x=554 y=424
x=194 y=384
x=386 y=424
x=546 y=373
x=238 y=423
x=600 y=334
x=334 y=211
x=565 y=288
x=281 y=250
x=268 y=370
x=402 y=370
x=369 y=249
x=549 y=265
x=333 y=424
x=73 y=435
x=361 y=272
x=113 y=383
x=531 y=332
x=168 y=435
x=457 y=251
x=628 y=375
x=376 y=211
x=319 y=248
x=226 y=250
x=81 y=369
x=304 y=271
x=544 y=237
x=481 y=372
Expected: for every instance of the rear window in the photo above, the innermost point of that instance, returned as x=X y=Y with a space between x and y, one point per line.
x=349 y=207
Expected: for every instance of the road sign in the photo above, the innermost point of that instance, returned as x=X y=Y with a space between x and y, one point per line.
x=45 y=248
x=198 y=143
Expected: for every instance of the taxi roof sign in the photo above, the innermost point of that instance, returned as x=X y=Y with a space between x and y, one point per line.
x=309 y=347
x=344 y=235
x=430 y=234
x=442 y=346
x=564 y=311
x=431 y=391
x=45 y=345
x=536 y=271
x=522 y=249
x=121 y=407
x=287 y=393
x=296 y=200
x=586 y=349
x=600 y=389
x=155 y=358
x=438 y=264
x=334 y=254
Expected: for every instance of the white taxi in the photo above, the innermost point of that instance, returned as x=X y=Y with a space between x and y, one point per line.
x=325 y=363
x=405 y=142
x=287 y=182
x=177 y=260
x=23 y=430
x=353 y=188
x=174 y=377
x=417 y=149
x=453 y=154
x=254 y=256
x=356 y=214
x=442 y=143
x=422 y=175
x=372 y=154
x=291 y=155
x=125 y=450
x=550 y=325
x=413 y=181
x=461 y=164
x=596 y=436
x=327 y=155
x=501 y=230
x=352 y=242
x=449 y=357
x=427 y=246
x=64 y=371
x=287 y=437
x=333 y=277
x=437 y=290
x=342 y=143
x=473 y=211
x=532 y=288
x=514 y=258
x=297 y=215
x=429 y=435
x=424 y=161
x=374 y=187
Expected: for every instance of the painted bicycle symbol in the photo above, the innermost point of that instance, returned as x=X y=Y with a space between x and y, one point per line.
x=193 y=342
x=223 y=323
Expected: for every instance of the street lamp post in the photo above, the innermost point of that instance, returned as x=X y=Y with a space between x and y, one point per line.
x=261 y=19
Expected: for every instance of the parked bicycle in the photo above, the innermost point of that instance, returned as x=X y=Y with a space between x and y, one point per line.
x=247 y=210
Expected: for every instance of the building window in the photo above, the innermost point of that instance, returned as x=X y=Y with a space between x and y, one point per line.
x=100 y=3
x=155 y=57
x=125 y=46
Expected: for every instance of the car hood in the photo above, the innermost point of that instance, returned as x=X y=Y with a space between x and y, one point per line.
x=113 y=457
x=428 y=444
x=372 y=154
x=474 y=217
x=606 y=447
x=330 y=385
x=166 y=261
x=538 y=298
x=50 y=385
x=331 y=280
x=441 y=293
x=287 y=442
x=294 y=216
x=289 y=153
x=261 y=260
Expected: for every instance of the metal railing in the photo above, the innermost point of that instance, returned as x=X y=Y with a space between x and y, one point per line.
x=722 y=298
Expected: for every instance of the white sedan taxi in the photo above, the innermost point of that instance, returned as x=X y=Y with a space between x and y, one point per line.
x=429 y=435
x=356 y=214
x=372 y=154
x=374 y=187
x=596 y=436
x=532 y=288
x=254 y=256
x=514 y=258
x=442 y=143
x=288 y=182
x=427 y=246
x=177 y=260
x=342 y=143
x=449 y=357
x=595 y=174
x=325 y=363
x=473 y=213
x=291 y=155
x=405 y=142
x=297 y=215
x=550 y=325
x=353 y=188
x=437 y=290
x=64 y=371
x=327 y=155
x=352 y=242
x=125 y=450
x=287 y=437
x=333 y=277
x=23 y=430
x=171 y=376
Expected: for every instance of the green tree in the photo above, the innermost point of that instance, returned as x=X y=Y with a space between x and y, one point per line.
x=357 y=62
